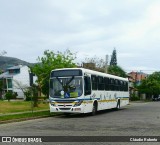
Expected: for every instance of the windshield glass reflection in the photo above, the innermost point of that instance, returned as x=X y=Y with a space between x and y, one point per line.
x=66 y=87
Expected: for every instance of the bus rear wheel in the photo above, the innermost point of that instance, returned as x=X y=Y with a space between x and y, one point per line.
x=118 y=105
x=94 y=109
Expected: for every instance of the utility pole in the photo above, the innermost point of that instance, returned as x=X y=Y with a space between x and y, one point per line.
x=106 y=64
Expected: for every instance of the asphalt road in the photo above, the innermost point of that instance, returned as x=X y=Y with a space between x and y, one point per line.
x=136 y=119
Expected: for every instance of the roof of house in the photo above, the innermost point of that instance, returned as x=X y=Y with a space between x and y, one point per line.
x=5 y=75
x=15 y=67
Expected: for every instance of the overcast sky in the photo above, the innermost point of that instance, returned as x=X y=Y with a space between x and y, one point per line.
x=88 y=27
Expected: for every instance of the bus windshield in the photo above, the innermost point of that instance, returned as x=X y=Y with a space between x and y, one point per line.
x=70 y=87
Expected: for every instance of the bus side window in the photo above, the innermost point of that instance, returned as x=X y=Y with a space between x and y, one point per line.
x=94 y=82
x=106 y=82
x=112 y=84
x=100 y=83
x=87 y=85
x=126 y=86
x=121 y=85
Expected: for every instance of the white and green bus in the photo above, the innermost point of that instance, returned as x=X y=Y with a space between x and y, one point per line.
x=79 y=90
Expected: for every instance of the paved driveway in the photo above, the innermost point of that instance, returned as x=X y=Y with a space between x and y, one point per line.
x=136 y=119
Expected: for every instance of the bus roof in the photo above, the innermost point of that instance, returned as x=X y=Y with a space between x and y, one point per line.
x=93 y=73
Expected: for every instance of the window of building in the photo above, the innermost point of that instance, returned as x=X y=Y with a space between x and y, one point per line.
x=9 y=83
x=14 y=71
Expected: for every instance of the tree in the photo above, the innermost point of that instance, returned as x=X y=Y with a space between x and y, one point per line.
x=1 y=71
x=113 y=58
x=116 y=70
x=3 y=53
x=1 y=85
x=150 y=85
x=21 y=86
x=94 y=63
x=8 y=96
x=49 y=62
x=34 y=90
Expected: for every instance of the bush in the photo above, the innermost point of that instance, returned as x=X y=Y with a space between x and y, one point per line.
x=134 y=97
x=1 y=99
x=10 y=95
x=28 y=95
x=14 y=95
x=28 y=98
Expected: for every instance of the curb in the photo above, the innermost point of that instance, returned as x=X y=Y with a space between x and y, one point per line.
x=23 y=119
x=22 y=112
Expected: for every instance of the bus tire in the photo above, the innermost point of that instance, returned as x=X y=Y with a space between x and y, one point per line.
x=94 y=109
x=118 y=105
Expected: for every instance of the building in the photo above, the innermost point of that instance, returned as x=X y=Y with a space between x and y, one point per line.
x=137 y=77
x=15 y=79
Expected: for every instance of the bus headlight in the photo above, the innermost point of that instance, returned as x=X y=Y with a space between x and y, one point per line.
x=78 y=103
x=52 y=103
x=51 y=100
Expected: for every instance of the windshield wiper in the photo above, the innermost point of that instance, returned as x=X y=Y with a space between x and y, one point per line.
x=67 y=83
x=59 y=81
x=70 y=80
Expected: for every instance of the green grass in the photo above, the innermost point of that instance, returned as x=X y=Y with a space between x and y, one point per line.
x=14 y=111
x=20 y=106
x=22 y=110
x=24 y=116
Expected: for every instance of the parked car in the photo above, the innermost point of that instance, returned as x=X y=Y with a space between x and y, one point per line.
x=156 y=97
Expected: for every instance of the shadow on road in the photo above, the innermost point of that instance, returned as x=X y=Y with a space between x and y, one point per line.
x=102 y=112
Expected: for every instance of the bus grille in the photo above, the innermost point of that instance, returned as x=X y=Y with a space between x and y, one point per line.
x=64 y=108
x=64 y=105
x=69 y=101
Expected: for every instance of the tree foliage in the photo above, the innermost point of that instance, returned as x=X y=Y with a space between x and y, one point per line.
x=1 y=84
x=113 y=68
x=98 y=63
x=151 y=85
x=49 y=62
x=116 y=70
x=113 y=58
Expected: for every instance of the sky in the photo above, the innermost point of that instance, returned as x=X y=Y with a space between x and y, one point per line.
x=87 y=27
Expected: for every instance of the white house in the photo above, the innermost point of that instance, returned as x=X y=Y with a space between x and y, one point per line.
x=17 y=77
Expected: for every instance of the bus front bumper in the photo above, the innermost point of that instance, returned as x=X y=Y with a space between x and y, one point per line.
x=65 y=109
